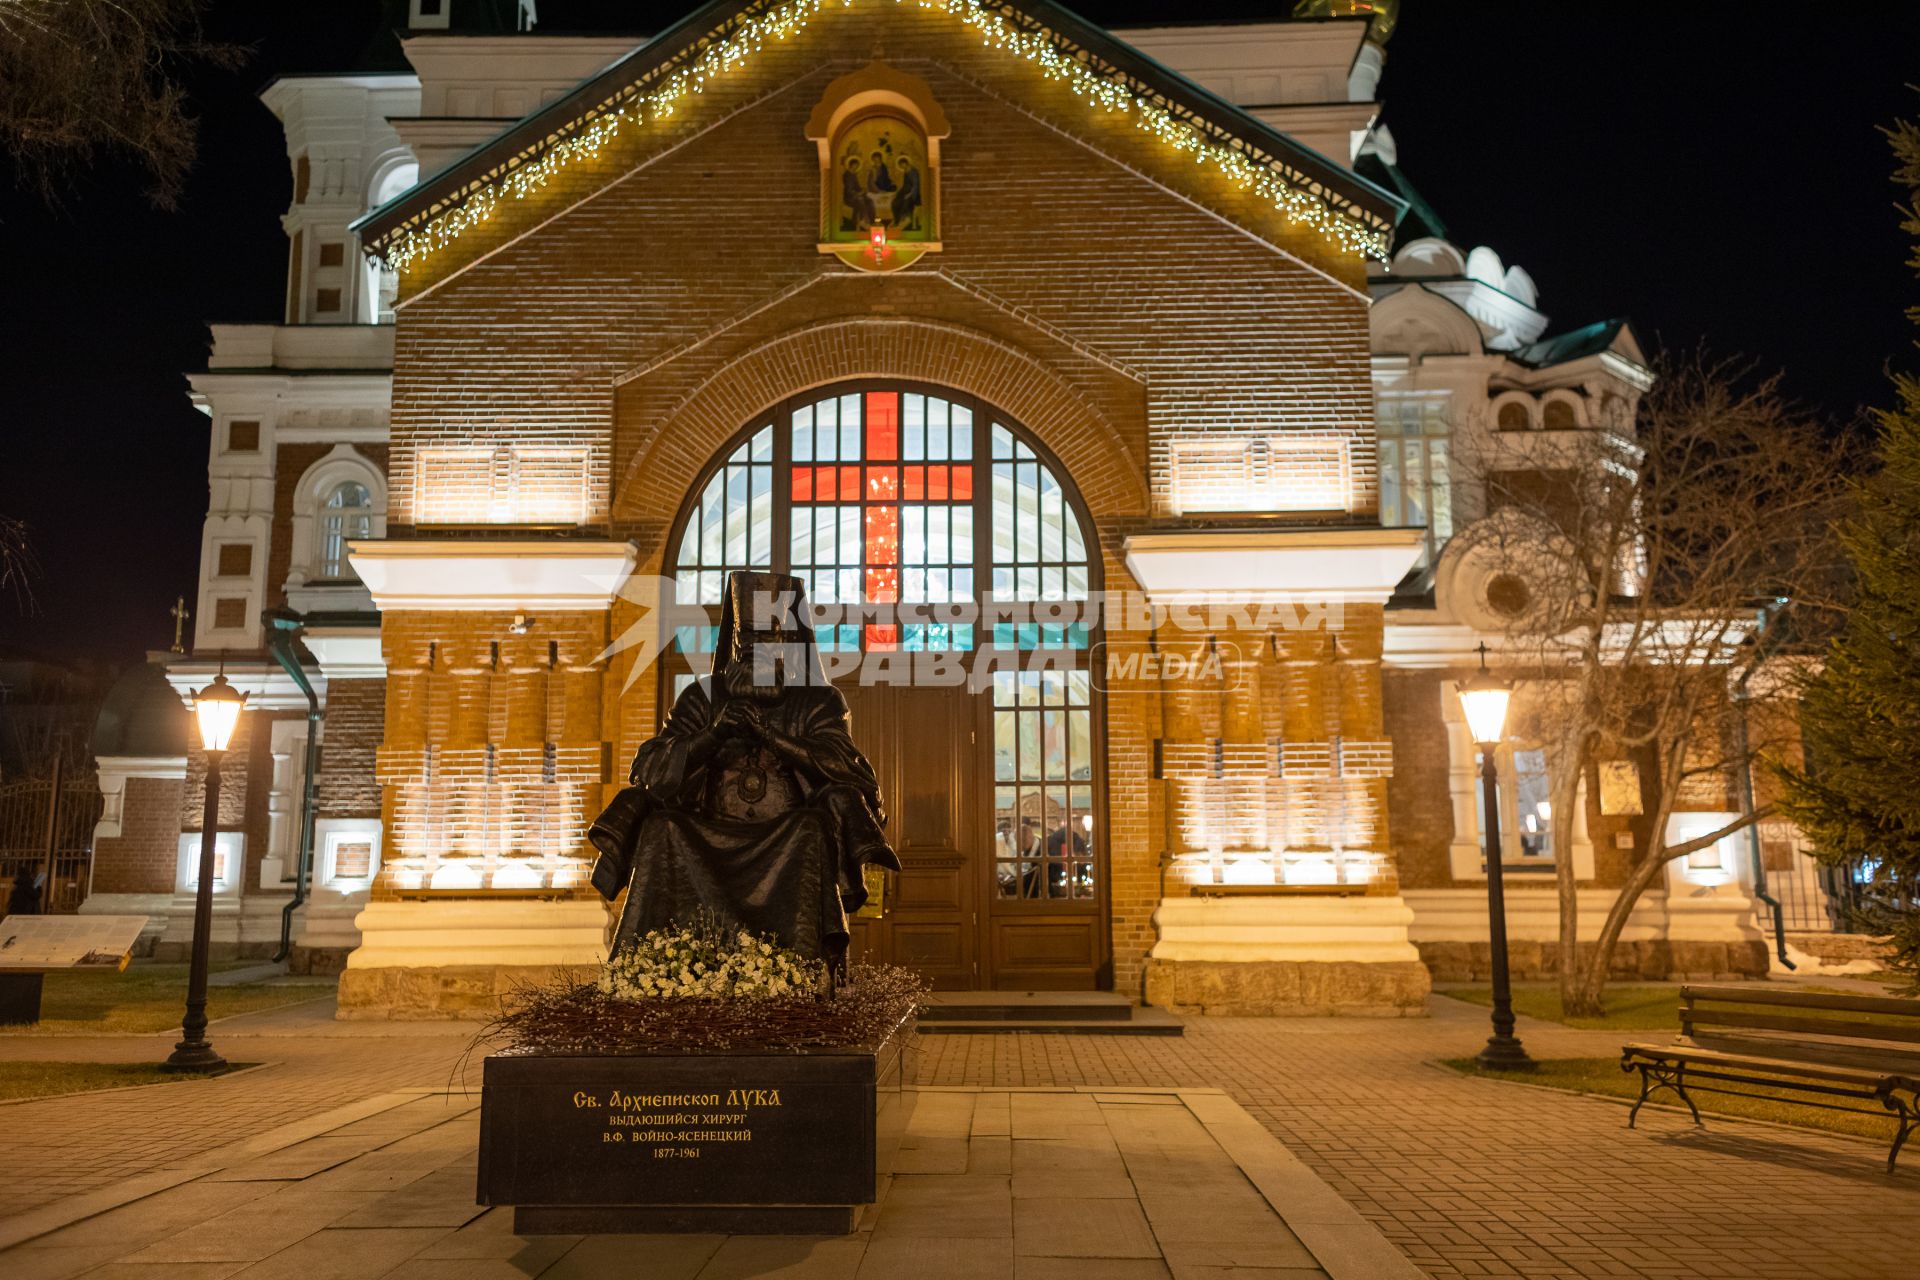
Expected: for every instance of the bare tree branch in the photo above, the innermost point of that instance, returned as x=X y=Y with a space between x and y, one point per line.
x=1652 y=554
x=84 y=79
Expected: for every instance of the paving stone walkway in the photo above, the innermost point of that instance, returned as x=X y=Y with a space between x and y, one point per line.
x=1469 y=1177
x=1045 y=1184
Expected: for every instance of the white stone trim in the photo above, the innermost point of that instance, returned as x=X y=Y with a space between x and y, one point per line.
x=1360 y=566
x=445 y=933
x=156 y=907
x=287 y=746
x=1363 y=928
x=328 y=835
x=142 y=766
x=1533 y=913
x=268 y=688
x=1710 y=901
x=347 y=654
x=1417 y=645
x=488 y=575
x=233 y=844
x=1465 y=857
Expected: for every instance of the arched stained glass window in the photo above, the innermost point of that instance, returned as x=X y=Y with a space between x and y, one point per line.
x=732 y=527
x=879 y=497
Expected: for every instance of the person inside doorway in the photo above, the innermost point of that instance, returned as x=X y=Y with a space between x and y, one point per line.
x=1005 y=854
x=1063 y=842
x=1033 y=860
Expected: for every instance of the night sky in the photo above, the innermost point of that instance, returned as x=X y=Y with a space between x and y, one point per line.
x=1712 y=172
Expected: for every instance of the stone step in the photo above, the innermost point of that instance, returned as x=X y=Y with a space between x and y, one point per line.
x=1025 y=1006
x=1144 y=1022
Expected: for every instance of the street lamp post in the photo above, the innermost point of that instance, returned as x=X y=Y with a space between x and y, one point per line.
x=1484 y=700
x=216 y=710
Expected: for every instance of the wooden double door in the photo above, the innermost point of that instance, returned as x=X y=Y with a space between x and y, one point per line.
x=952 y=912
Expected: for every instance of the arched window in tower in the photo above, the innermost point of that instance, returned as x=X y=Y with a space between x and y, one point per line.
x=1558 y=415
x=346 y=515
x=1514 y=417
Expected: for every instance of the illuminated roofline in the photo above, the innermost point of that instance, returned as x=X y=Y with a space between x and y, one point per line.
x=651 y=81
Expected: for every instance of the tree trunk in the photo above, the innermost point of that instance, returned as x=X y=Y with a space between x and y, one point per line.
x=1565 y=796
x=1593 y=977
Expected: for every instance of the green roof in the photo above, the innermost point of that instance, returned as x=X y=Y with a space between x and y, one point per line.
x=1575 y=344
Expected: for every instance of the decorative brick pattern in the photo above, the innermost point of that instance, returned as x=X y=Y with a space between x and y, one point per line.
x=1276 y=746
x=346 y=785
x=492 y=761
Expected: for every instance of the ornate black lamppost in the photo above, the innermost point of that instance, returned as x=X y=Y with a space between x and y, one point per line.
x=1484 y=700
x=216 y=709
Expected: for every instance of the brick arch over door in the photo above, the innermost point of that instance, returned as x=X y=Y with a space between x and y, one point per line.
x=687 y=435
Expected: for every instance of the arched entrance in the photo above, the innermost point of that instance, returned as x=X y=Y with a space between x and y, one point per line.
x=942 y=532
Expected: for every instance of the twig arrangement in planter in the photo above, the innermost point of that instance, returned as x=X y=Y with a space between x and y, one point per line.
x=574 y=1014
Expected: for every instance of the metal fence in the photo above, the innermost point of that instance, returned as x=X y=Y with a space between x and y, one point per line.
x=27 y=817
x=1815 y=896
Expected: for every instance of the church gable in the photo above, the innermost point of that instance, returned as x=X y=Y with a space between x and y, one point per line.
x=728 y=55
x=1132 y=293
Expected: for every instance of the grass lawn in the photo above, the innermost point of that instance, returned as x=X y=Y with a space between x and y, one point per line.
x=1604 y=1076
x=45 y=1079
x=147 y=997
x=1629 y=1008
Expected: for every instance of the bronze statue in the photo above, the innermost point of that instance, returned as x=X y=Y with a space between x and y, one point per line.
x=752 y=807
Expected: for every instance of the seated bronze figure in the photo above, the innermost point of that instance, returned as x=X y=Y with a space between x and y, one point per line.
x=752 y=807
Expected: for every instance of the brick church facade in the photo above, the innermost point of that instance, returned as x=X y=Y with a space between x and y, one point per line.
x=1123 y=370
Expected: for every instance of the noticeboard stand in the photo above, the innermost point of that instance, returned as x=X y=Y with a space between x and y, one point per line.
x=20 y=997
x=33 y=945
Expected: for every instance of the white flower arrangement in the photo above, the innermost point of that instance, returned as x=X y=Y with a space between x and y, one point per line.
x=707 y=963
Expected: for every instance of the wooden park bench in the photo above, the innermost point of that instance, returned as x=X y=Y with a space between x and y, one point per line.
x=1859 y=1048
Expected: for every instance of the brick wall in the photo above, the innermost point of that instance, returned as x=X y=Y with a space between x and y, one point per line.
x=143 y=858
x=346 y=786
x=1419 y=800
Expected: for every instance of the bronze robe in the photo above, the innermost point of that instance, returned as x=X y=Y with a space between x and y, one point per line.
x=746 y=837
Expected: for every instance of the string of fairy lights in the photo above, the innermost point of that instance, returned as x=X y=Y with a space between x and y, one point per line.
x=784 y=19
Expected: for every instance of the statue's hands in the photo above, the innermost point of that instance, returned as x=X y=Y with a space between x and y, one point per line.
x=738 y=717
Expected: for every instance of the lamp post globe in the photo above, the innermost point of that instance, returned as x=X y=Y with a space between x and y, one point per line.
x=1483 y=700
x=216 y=714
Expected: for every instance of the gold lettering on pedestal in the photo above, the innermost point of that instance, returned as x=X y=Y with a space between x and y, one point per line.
x=650 y=1119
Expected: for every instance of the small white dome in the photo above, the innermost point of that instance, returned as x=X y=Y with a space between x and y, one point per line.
x=1428 y=256
x=1484 y=265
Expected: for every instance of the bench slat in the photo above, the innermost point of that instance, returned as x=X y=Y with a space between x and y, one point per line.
x=1802 y=1000
x=1836 y=1053
x=1772 y=1066
x=1850 y=1027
